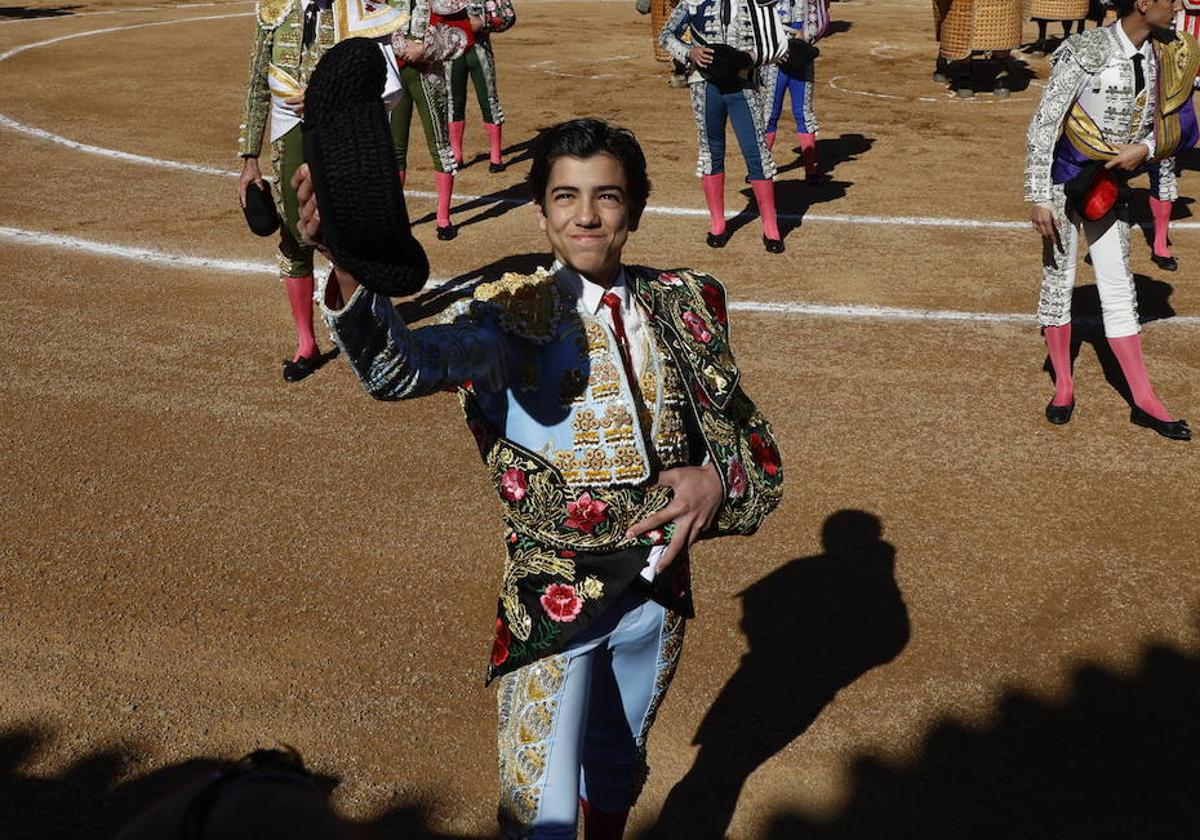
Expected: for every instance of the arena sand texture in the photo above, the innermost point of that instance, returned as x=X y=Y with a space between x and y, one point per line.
x=199 y=559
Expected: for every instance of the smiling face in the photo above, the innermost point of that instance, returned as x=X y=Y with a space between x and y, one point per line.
x=585 y=213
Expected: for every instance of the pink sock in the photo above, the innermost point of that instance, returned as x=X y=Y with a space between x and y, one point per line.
x=1128 y=350
x=445 y=188
x=764 y=194
x=808 y=150
x=1058 y=343
x=457 y=129
x=403 y=177
x=300 y=298
x=494 y=133
x=1160 y=211
x=770 y=138
x=714 y=197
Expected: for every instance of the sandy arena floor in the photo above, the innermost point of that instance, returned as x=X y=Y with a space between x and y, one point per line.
x=199 y=559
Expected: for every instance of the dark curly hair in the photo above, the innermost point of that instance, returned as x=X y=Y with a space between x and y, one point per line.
x=1123 y=8
x=586 y=137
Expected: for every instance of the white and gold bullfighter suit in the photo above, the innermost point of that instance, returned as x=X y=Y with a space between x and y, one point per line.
x=574 y=434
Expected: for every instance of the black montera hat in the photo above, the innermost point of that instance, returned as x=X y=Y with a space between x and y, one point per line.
x=726 y=67
x=799 y=54
x=349 y=151
x=260 y=212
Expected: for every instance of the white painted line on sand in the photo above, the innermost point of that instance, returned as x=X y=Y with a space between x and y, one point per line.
x=166 y=259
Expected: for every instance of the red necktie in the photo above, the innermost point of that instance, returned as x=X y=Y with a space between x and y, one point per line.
x=614 y=306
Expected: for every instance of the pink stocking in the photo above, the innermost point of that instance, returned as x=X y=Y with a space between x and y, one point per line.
x=1128 y=350
x=300 y=298
x=714 y=197
x=770 y=138
x=445 y=188
x=1058 y=343
x=403 y=177
x=808 y=149
x=764 y=194
x=1161 y=212
x=494 y=133
x=457 y=129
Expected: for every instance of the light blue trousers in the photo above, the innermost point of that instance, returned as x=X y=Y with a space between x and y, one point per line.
x=574 y=725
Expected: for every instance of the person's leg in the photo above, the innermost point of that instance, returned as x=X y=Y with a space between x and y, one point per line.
x=629 y=680
x=1163 y=192
x=744 y=115
x=430 y=101
x=777 y=84
x=1108 y=242
x=541 y=712
x=401 y=123
x=709 y=110
x=1054 y=307
x=295 y=258
x=806 y=119
x=482 y=64
x=456 y=72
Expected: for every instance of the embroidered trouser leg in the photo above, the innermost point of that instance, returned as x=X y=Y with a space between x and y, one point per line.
x=742 y=108
x=426 y=91
x=295 y=258
x=480 y=65
x=576 y=724
x=1108 y=243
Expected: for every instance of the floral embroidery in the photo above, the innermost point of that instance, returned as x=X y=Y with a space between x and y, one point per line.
x=561 y=602
x=716 y=302
x=513 y=484
x=585 y=513
x=696 y=327
x=500 y=643
x=735 y=477
x=765 y=455
x=592 y=587
x=668 y=278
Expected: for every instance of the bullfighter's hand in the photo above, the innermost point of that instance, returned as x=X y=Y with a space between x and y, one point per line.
x=697 y=497
x=250 y=175
x=1043 y=223
x=1129 y=156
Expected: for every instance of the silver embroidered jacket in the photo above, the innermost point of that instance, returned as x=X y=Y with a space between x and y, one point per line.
x=1091 y=63
x=753 y=28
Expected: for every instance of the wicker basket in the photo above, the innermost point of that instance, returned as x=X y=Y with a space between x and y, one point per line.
x=968 y=26
x=1057 y=9
x=660 y=10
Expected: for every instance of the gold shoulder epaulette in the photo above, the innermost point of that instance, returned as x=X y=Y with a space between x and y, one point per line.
x=526 y=305
x=271 y=13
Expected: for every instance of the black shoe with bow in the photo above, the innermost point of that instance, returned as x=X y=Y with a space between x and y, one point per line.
x=1059 y=415
x=717 y=240
x=1173 y=429
x=1165 y=263
x=773 y=246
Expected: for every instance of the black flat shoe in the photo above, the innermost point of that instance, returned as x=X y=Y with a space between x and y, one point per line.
x=1165 y=263
x=717 y=240
x=1059 y=415
x=294 y=371
x=1173 y=429
x=497 y=167
x=445 y=234
x=773 y=246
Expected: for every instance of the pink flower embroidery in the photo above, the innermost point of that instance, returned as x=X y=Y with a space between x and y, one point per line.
x=715 y=301
x=585 y=513
x=735 y=477
x=765 y=455
x=513 y=484
x=696 y=327
x=561 y=602
x=655 y=537
x=669 y=279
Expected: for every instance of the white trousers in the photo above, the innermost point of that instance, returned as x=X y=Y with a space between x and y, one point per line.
x=1108 y=244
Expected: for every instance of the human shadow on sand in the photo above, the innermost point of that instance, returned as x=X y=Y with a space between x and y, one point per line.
x=813 y=627
x=1116 y=756
x=27 y=12
x=1087 y=326
x=794 y=196
x=95 y=796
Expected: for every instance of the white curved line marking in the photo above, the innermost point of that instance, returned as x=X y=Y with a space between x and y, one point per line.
x=151 y=256
x=949 y=97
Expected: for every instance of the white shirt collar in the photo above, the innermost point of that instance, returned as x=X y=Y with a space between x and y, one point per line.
x=588 y=292
x=1128 y=50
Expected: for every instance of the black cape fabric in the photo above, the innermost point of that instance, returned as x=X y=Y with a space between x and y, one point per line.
x=260 y=211
x=349 y=151
x=726 y=67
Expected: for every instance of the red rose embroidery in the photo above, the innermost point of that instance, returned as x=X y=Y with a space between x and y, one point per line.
x=702 y=397
x=500 y=644
x=585 y=513
x=669 y=279
x=695 y=325
x=735 y=477
x=561 y=602
x=765 y=454
x=715 y=300
x=567 y=553
x=513 y=484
